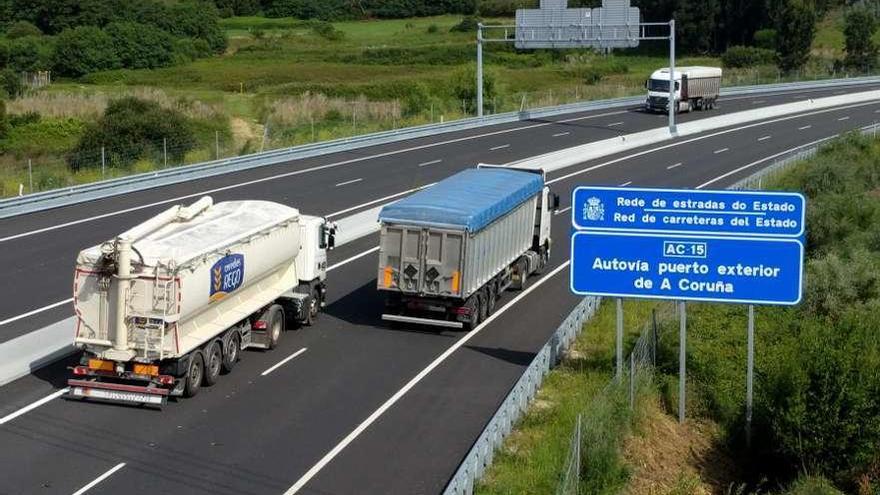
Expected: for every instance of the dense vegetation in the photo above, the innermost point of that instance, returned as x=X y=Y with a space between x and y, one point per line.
x=74 y=38
x=817 y=402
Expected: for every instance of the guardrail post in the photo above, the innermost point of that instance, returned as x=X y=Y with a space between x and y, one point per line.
x=165 y=152
x=31 y=175
x=103 y=163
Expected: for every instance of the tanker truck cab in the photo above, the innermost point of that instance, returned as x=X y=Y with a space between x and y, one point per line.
x=165 y=307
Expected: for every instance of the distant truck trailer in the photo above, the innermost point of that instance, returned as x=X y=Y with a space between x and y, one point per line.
x=163 y=308
x=696 y=88
x=448 y=252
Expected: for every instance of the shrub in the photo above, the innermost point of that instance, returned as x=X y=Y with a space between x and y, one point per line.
x=747 y=56
x=467 y=25
x=499 y=8
x=24 y=119
x=140 y=46
x=132 y=129
x=433 y=29
x=22 y=29
x=10 y=82
x=812 y=486
x=327 y=31
x=85 y=49
x=766 y=39
x=464 y=88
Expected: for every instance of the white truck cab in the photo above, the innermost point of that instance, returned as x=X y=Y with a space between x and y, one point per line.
x=696 y=88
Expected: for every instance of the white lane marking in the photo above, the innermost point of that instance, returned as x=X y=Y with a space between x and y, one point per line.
x=674 y=166
x=560 y=212
x=353 y=258
x=722 y=150
x=764 y=138
x=284 y=361
x=876 y=111
x=762 y=160
x=561 y=134
x=380 y=200
x=804 y=128
x=100 y=479
x=499 y=147
x=433 y=162
x=32 y=406
x=700 y=138
x=300 y=172
x=626 y=184
x=34 y=312
x=355 y=181
x=842 y=119
x=615 y=124
x=311 y=473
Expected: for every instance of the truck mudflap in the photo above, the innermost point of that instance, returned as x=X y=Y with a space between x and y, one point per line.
x=423 y=321
x=117 y=392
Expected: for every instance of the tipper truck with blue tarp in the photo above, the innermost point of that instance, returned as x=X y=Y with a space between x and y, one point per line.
x=447 y=253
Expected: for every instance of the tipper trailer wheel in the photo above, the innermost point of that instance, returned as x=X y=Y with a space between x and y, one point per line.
x=213 y=363
x=474 y=305
x=194 y=375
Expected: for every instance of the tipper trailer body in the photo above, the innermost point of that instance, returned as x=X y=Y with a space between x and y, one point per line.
x=696 y=88
x=167 y=305
x=448 y=252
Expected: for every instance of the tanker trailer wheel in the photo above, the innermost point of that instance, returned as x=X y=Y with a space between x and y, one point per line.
x=275 y=319
x=194 y=375
x=213 y=363
x=233 y=349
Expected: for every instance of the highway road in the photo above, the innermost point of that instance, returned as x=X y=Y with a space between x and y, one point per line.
x=360 y=408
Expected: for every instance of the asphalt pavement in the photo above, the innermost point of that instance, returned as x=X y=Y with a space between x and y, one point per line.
x=256 y=433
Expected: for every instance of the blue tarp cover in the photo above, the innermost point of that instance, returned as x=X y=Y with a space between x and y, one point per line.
x=471 y=199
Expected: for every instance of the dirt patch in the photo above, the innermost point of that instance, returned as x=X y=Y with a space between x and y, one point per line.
x=670 y=458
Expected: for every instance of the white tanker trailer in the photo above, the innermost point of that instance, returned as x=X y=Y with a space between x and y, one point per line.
x=165 y=307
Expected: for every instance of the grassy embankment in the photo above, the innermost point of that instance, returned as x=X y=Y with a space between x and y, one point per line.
x=310 y=81
x=817 y=395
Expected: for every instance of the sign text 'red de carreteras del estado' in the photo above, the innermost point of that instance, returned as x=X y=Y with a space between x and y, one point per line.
x=717 y=246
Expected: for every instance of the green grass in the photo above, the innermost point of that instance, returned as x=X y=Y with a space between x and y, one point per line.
x=532 y=458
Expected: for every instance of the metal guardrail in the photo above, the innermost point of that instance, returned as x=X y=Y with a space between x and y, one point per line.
x=99 y=190
x=517 y=401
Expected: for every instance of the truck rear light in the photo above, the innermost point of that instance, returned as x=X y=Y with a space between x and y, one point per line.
x=462 y=310
x=166 y=380
x=80 y=370
x=101 y=365
x=388 y=277
x=260 y=325
x=145 y=369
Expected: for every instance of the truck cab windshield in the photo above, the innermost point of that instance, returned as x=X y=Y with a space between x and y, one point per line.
x=661 y=85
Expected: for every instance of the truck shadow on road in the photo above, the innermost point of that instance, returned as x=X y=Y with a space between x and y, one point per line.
x=363 y=307
x=518 y=358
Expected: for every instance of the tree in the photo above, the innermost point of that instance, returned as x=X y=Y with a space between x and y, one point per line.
x=83 y=50
x=795 y=30
x=133 y=129
x=22 y=29
x=197 y=20
x=29 y=54
x=140 y=46
x=861 y=51
x=697 y=21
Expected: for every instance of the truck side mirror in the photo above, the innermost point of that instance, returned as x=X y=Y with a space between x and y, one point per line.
x=331 y=238
x=555 y=202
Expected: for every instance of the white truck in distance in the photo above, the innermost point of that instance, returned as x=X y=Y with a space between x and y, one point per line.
x=696 y=88
x=166 y=306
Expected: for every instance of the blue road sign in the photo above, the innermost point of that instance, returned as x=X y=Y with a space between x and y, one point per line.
x=739 y=213
x=746 y=270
